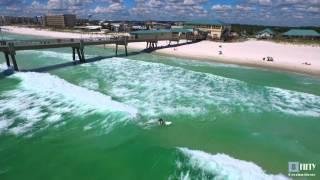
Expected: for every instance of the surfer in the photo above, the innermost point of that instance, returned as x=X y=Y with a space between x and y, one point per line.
x=161 y=122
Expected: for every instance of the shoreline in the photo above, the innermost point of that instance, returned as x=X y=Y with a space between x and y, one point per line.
x=287 y=57
x=234 y=61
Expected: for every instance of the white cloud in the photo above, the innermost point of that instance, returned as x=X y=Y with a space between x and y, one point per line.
x=167 y=9
x=262 y=2
x=220 y=7
x=112 y=8
x=312 y=9
x=55 y=4
x=244 y=8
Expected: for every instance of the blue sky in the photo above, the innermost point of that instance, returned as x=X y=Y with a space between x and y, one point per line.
x=268 y=12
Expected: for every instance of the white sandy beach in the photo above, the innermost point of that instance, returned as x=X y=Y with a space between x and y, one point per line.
x=250 y=53
x=47 y=33
x=287 y=57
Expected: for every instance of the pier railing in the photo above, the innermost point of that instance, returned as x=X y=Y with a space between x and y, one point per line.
x=9 y=47
x=89 y=41
x=49 y=41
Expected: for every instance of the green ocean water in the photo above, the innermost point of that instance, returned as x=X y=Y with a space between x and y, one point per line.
x=98 y=120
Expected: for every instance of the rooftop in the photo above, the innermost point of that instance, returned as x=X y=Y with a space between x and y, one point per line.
x=151 y=31
x=302 y=32
x=182 y=30
x=267 y=30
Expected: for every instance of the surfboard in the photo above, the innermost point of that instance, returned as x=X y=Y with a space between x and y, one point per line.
x=168 y=123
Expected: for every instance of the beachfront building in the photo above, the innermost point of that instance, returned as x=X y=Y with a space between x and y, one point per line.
x=9 y=20
x=138 y=27
x=115 y=26
x=82 y=22
x=214 y=29
x=24 y=20
x=177 y=25
x=265 y=34
x=152 y=25
x=40 y=20
x=89 y=28
x=301 y=33
x=6 y=20
x=61 y=21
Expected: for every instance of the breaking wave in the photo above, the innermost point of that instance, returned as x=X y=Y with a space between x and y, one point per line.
x=195 y=164
x=44 y=97
x=156 y=89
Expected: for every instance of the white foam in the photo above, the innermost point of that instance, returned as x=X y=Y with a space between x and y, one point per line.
x=46 y=97
x=44 y=54
x=3 y=66
x=197 y=63
x=87 y=127
x=69 y=92
x=161 y=89
x=297 y=103
x=5 y=123
x=90 y=84
x=221 y=166
x=49 y=54
x=54 y=118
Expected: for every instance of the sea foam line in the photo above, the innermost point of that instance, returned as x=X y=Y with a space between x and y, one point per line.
x=220 y=166
x=48 y=84
x=158 y=89
x=47 y=97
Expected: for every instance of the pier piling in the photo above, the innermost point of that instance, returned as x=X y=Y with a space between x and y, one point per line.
x=79 y=55
x=82 y=59
x=13 y=56
x=73 y=54
x=116 y=49
x=14 y=62
x=7 y=58
x=126 y=45
x=82 y=56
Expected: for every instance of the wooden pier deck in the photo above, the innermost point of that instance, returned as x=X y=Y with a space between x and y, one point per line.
x=9 y=48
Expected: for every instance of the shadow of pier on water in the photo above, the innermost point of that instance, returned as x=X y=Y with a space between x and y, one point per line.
x=95 y=59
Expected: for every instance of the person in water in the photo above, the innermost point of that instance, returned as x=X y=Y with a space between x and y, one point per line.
x=161 y=121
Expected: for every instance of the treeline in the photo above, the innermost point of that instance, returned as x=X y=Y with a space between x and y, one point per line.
x=253 y=29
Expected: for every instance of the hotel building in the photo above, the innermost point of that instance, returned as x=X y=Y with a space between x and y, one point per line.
x=214 y=29
x=61 y=21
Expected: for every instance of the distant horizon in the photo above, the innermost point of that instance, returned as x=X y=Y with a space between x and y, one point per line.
x=282 y=13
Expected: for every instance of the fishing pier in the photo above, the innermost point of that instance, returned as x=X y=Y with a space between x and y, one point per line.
x=10 y=47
